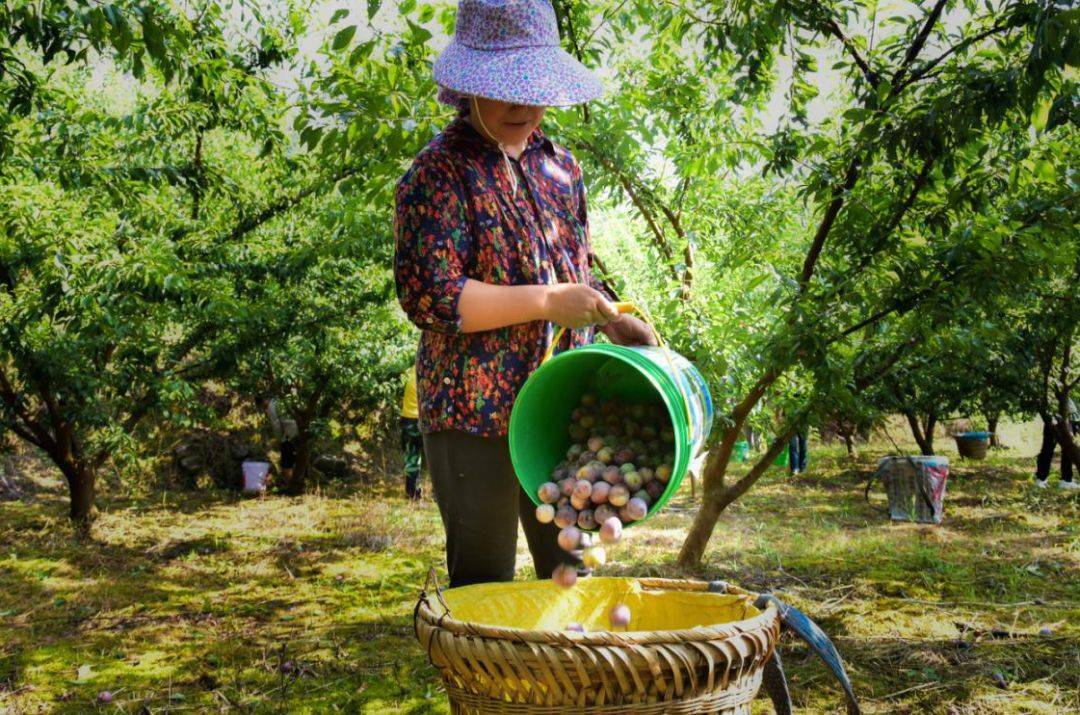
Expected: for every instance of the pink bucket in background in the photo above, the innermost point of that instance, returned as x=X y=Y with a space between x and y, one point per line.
x=255 y=476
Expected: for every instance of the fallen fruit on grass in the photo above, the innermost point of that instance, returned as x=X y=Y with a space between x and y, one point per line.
x=594 y=557
x=611 y=530
x=565 y=575
x=619 y=616
x=570 y=538
x=104 y=697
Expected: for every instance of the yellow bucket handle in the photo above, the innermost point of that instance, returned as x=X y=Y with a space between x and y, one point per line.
x=624 y=307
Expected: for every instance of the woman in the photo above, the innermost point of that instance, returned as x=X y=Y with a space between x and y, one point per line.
x=492 y=252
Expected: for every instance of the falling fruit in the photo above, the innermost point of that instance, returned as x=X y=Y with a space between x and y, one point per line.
x=619 y=616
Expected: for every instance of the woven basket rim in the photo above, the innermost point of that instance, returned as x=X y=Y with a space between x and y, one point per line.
x=767 y=616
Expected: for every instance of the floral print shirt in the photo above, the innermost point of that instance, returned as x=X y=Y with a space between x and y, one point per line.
x=458 y=218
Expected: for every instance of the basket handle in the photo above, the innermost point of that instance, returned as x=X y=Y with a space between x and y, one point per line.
x=431 y=583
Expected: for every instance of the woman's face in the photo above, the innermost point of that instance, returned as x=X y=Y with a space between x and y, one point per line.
x=511 y=124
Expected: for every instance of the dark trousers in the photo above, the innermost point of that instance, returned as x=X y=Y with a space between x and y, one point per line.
x=480 y=501
x=1046 y=456
x=412 y=448
x=797 y=452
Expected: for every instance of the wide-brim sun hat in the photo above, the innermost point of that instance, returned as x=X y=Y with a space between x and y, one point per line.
x=509 y=50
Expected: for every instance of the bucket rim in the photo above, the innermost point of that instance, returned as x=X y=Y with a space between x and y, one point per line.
x=667 y=392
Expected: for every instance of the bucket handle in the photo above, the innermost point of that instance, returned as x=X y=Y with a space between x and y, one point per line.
x=624 y=307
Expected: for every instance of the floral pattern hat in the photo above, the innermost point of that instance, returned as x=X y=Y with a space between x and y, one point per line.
x=509 y=50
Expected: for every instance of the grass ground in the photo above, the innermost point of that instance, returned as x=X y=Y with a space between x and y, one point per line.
x=189 y=603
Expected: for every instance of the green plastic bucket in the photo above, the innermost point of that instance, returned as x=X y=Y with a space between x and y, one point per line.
x=782 y=458
x=541 y=414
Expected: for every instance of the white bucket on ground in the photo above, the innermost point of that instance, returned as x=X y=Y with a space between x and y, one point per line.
x=255 y=476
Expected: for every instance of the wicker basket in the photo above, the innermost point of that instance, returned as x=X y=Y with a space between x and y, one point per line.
x=707 y=669
x=972 y=445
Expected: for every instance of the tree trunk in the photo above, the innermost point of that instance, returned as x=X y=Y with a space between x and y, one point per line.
x=693 y=549
x=80 y=480
x=849 y=442
x=298 y=483
x=926 y=445
x=991 y=427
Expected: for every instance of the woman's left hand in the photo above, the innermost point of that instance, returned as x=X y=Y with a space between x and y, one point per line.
x=628 y=330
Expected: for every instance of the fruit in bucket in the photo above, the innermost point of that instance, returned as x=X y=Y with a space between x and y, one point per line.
x=636 y=509
x=603 y=512
x=565 y=516
x=545 y=513
x=618 y=455
x=619 y=495
x=549 y=492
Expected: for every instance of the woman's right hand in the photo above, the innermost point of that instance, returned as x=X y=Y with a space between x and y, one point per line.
x=573 y=305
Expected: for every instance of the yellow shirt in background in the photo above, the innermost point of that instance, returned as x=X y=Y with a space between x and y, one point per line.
x=409 y=408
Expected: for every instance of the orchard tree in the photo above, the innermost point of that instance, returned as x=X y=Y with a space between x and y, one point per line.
x=905 y=185
x=312 y=320
x=106 y=199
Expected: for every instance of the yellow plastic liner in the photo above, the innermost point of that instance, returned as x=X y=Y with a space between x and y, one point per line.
x=544 y=605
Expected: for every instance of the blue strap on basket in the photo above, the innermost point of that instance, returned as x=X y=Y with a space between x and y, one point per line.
x=774 y=679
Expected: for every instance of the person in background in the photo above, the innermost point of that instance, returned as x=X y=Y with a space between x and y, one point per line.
x=797 y=452
x=412 y=443
x=492 y=252
x=285 y=432
x=1046 y=453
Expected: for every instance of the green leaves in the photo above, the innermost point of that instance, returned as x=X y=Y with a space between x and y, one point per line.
x=343 y=38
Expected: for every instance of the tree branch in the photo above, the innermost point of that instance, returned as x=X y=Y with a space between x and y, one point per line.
x=659 y=239
x=827 y=221
x=833 y=28
x=283 y=204
x=959 y=46
x=917 y=45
